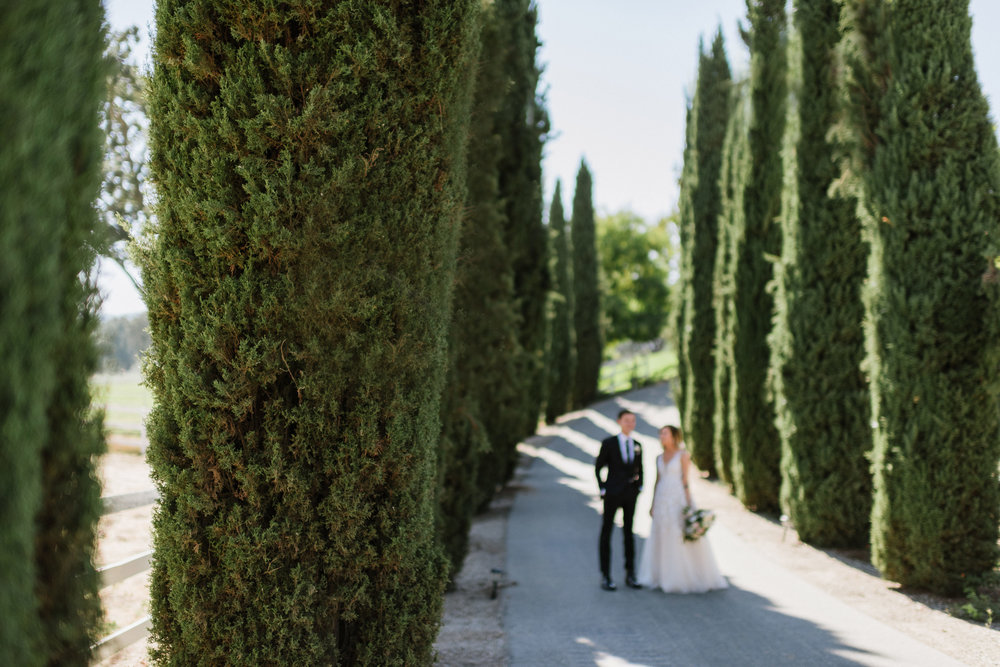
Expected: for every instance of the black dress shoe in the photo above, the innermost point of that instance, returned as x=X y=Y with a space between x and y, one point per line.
x=607 y=584
x=631 y=582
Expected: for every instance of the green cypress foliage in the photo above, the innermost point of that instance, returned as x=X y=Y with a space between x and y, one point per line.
x=734 y=170
x=817 y=344
x=926 y=161
x=309 y=163
x=480 y=401
x=755 y=446
x=523 y=123
x=562 y=345
x=685 y=227
x=586 y=292
x=709 y=115
x=50 y=69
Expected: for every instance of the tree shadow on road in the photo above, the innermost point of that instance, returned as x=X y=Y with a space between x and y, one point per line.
x=558 y=615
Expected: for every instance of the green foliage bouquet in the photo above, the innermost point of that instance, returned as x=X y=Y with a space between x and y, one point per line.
x=696 y=523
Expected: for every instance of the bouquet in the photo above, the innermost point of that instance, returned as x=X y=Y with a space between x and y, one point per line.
x=696 y=523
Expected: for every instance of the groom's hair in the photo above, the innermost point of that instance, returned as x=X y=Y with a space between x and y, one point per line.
x=625 y=412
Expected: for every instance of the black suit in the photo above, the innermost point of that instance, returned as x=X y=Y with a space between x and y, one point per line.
x=620 y=490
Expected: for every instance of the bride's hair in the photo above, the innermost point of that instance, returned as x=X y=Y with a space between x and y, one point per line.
x=676 y=432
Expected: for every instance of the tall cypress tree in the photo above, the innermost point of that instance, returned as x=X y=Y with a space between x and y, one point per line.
x=928 y=205
x=51 y=72
x=586 y=291
x=709 y=116
x=822 y=401
x=309 y=163
x=562 y=345
x=685 y=228
x=755 y=445
x=734 y=171
x=480 y=403
x=523 y=123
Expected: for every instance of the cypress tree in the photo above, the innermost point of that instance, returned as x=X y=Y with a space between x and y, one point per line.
x=562 y=357
x=734 y=170
x=928 y=206
x=709 y=115
x=309 y=163
x=822 y=401
x=586 y=293
x=50 y=69
x=523 y=123
x=685 y=228
x=480 y=401
x=755 y=445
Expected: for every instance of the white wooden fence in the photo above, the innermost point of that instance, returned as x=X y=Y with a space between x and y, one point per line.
x=112 y=574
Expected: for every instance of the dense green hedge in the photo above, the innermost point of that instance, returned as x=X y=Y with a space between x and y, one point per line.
x=929 y=209
x=481 y=402
x=709 y=116
x=309 y=164
x=755 y=445
x=523 y=124
x=822 y=402
x=562 y=339
x=52 y=74
x=586 y=291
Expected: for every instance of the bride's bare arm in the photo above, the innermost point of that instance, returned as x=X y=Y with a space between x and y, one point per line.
x=655 y=486
x=685 y=466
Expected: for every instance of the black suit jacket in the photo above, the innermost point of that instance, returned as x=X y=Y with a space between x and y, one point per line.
x=622 y=477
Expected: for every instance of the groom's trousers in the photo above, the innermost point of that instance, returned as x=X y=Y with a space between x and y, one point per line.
x=612 y=503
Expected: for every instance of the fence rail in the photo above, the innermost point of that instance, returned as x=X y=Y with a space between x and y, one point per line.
x=125 y=637
x=128 y=501
x=116 y=572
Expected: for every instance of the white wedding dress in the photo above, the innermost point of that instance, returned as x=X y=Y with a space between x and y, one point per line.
x=668 y=562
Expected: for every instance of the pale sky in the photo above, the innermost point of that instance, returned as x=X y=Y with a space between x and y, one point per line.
x=617 y=77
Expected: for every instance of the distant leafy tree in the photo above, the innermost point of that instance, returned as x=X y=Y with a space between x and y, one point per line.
x=309 y=163
x=562 y=339
x=708 y=118
x=586 y=291
x=635 y=263
x=926 y=164
x=51 y=74
x=817 y=344
x=123 y=205
x=121 y=341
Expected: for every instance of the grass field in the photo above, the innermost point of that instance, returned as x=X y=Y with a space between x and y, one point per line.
x=618 y=375
x=125 y=401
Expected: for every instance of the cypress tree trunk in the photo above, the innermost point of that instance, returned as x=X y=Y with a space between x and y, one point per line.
x=822 y=400
x=735 y=167
x=310 y=169
x=586 y=293
x=928 y=206
x=50 y=70
x=480 y=400
x=709 y=115
x=755 y=445
x=562 y=344
x=523 y=123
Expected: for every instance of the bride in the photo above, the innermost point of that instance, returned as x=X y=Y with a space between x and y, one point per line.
x=668 y=562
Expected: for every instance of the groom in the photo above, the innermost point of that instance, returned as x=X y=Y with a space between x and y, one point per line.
x=622 y=456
